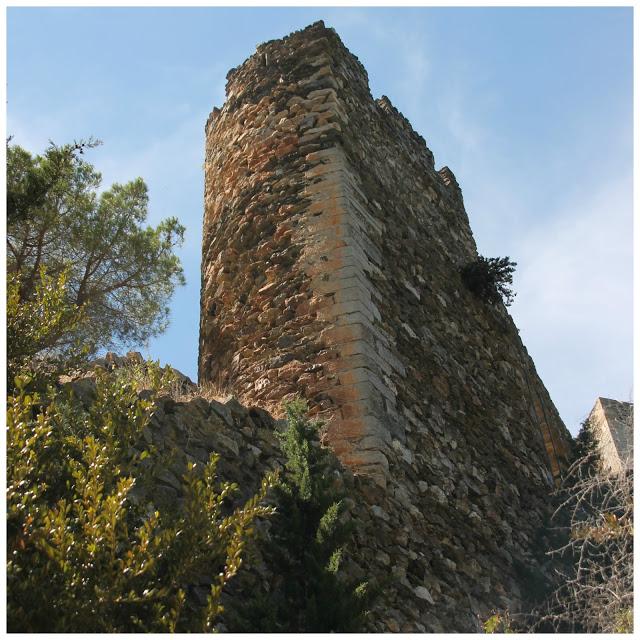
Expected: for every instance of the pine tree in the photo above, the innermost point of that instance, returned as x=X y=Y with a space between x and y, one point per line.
x=118 y=269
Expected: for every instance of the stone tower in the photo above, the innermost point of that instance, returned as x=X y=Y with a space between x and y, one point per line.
x=332 y=250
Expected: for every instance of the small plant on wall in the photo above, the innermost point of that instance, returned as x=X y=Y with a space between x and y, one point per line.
x=490 y=279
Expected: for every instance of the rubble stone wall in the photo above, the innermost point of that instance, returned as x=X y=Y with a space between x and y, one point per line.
x=431 y=581
x=331 y=257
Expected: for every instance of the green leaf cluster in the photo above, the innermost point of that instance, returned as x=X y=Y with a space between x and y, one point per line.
x=499 y=622
x=39 y=328
x=490 y=279
x=306 y=546
x=586 y=447
x=119 y=271
x=623 y=621
x=83 y=554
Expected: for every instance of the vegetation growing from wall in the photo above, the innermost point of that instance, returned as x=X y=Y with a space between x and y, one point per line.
x=490 y=279
x=307 y=543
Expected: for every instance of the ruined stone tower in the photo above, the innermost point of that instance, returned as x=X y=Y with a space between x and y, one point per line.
x=331 y=256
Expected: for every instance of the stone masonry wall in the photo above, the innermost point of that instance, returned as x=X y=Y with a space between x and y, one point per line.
x=275 y=241
x=611 y=422
x=428 y=585
x=331 y=257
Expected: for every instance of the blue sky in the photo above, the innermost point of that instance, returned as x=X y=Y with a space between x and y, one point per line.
x=530 y=107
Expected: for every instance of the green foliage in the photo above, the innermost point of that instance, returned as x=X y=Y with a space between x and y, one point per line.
x=498 y=623
x=119 y=271
x=586 y=449
x=623 y=621
x=146 y=375
x=82 y=557
x=490 y=279
x=38 y=329
x=308 y=540
x=30 y=185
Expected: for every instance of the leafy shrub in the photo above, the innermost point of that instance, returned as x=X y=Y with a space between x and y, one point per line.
x=499 y=622
x=623 y=620
x=83 y=556
x=490 y=279
x=38 y=329
x=308 y=541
